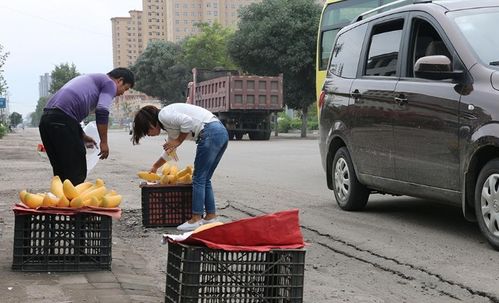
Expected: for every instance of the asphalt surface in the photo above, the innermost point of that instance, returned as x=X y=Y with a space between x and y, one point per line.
x=399 y=249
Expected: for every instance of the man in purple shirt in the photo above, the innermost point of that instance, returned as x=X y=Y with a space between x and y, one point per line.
x=60 y=129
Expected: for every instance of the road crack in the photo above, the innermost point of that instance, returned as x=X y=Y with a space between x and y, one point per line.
x=251 y=211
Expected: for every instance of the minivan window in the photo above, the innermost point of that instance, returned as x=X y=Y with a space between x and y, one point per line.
x=384 y=49
x=425 y=41
x=346 y=51
x=337 y=15
x=479 y=28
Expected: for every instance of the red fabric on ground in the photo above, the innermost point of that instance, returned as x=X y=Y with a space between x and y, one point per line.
x=22 y=209
x=279 y=230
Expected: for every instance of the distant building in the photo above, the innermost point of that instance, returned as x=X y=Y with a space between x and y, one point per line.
x=182 y=15
x=44 y=85
x=127 y=39
x=167 y=20
x=124 y=107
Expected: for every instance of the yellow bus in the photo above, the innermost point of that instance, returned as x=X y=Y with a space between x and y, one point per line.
x=335 y=15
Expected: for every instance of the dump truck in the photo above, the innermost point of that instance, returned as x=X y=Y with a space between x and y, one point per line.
x=245 y=104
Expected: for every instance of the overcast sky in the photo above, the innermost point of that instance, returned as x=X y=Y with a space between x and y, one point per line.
x=40 y=34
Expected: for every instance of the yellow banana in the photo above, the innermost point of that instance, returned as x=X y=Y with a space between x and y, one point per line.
x=99 y=182
x=98 y=192
x=63 y=202
x=50 y=200
x=166 y=169
x=150 y=177
x=93 y=202
x=56 y=186
x=69 y=190
x=164 y=179
x=76 y=203
x=33 y=200
x=22 y=194
x=173 y=170
x=111 y=201
x=83 y=186
x=185 y=179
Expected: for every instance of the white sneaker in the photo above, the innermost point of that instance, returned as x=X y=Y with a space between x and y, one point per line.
x=190 y=226
x=210 y=221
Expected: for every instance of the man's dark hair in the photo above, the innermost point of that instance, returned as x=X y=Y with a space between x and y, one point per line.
x=123 y=73
x=146 y=117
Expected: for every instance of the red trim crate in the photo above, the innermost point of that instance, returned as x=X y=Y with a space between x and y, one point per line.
x=57 y=242
x=203 y=275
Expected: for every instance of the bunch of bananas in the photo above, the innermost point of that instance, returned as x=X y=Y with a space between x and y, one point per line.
x=170 y=174
x=65 y=194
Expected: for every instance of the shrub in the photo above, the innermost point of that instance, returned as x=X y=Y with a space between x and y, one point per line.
x=3 y=130
x=295 y=123
x=283 y=124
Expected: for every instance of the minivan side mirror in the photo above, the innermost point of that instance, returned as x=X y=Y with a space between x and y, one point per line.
x=436 y=67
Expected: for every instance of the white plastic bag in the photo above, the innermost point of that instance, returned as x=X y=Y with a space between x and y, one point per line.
x=92 y=153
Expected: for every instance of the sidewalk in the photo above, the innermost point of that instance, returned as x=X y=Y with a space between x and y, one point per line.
x=130 y=279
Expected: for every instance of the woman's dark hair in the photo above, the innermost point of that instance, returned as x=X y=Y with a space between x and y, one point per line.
x=144 y=118
x=123 y=73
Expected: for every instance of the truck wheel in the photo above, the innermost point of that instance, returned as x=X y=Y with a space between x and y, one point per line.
x=239 y=135
x=253 y=135
x=349 y=193
x=487 y=202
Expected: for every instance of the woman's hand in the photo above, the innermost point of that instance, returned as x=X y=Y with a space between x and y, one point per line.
x=157 y=165
x=171 y=145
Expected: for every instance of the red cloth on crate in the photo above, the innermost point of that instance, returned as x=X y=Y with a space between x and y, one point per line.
x=279 y=230
x=22 y=209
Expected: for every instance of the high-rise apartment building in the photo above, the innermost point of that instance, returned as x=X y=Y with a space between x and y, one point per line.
x=154 y=20
x=127 y=38
x=182 y=15
x=44 y=85
x=167 y=20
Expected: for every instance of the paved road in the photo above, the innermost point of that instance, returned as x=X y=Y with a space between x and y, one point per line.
x=399 y=249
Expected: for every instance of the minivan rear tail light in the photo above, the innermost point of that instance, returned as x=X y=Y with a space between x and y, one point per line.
x=322 y=97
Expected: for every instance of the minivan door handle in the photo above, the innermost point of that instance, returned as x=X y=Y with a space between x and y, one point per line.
x=401 y=99
x=355 y=95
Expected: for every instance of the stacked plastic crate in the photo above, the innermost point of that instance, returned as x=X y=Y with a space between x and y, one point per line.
x=254 y=266
x=166 y=205
x=62 y=242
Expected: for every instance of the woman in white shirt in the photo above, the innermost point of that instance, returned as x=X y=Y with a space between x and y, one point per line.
x=186 y=121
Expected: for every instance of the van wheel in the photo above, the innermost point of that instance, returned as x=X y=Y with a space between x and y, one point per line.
x=350 y=194
x=487 y=202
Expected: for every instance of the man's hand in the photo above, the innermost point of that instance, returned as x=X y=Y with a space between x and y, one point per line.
x=104 y=150
x=89 y=142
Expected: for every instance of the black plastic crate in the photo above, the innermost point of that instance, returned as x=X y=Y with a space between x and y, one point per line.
x=54 y=242
x=200 y=274
x=166 y=205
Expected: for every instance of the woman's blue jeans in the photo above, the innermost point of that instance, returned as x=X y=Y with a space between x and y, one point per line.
x=211 y=145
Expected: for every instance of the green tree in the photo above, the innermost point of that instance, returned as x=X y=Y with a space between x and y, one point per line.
x=279 y=36
x=37 y=114
x=208 y=49
x=159 y=73
x=15 y=118
x=61 y=75
x=3 y=58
